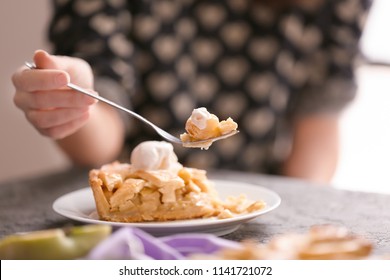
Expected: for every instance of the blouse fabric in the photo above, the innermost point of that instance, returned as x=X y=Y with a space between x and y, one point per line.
x=263 y=67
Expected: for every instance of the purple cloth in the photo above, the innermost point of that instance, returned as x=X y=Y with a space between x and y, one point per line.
x=133 y=243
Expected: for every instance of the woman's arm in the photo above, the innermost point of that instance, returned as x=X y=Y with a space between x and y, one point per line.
x=99 y=141
x=97 y=34
x=315 y=149
x=315 y=107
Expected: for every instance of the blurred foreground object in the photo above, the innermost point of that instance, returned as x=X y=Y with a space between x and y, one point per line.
x=68 y=243
x=321 y=242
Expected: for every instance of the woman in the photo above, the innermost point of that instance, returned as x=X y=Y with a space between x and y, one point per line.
x=283 y=71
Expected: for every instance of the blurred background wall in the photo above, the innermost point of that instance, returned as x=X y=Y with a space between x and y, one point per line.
x=365 y=146
x=364 y=163
x=23 y=152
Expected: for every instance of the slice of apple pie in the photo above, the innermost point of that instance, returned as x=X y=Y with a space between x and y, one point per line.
x=156 y=187
x=202 y=125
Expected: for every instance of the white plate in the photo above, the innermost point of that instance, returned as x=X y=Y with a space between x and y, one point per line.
x=80 y=206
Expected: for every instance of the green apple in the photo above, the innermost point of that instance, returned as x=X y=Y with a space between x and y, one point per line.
x=54 y=244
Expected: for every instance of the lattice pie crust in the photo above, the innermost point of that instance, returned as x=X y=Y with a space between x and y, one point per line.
x=123 y=194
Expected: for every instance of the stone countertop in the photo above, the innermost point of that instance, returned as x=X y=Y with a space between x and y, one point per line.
x=26 y=205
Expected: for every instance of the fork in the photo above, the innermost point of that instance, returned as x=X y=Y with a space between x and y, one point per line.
x=164 y=134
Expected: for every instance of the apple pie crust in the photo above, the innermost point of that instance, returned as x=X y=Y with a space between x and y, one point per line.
x=124 y=194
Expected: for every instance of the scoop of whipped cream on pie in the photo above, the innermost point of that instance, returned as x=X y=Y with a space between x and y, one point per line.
x=155 y=155
x=203 y=125
x=156 y=187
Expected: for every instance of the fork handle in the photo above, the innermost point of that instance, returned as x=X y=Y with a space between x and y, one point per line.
x=109 y=102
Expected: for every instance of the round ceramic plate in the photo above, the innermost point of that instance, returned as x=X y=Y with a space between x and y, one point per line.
x=80 y=206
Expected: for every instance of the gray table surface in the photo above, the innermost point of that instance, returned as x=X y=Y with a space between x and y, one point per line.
x=26 y=205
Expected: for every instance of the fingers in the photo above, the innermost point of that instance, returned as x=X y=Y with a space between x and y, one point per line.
x=45 y=119
x=43 y=79
x=60 y=98
x=43 y=60
x=58 y=124
x=42 y=94
x=53 y=72
x=64 y=130
x=77 y=68
x=48 y=75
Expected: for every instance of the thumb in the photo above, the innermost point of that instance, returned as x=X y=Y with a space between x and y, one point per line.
x=74 y=68
x=44 y=60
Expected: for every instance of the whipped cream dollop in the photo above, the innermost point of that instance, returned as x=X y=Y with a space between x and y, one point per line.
x=199 y=117
x=155 y=155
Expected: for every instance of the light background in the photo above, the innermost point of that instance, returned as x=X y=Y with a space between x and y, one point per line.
x=23 y=152
x=364 y=162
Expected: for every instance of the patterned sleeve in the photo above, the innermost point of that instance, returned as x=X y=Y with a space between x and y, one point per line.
x=330 y=83
x=97 y=31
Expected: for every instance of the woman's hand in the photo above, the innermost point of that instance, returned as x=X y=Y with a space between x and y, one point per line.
x=53 y=109
x=65 y=115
